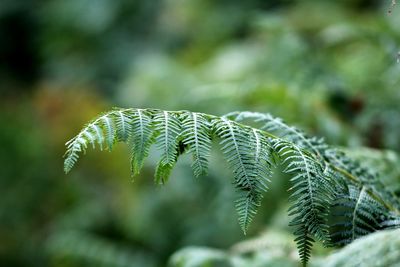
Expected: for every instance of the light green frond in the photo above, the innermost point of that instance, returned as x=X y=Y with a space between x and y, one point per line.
x=123 y=122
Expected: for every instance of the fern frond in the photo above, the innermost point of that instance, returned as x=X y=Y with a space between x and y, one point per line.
x=168 y=127
x=304 y=242
x=141 y=137
x=123 y=122
x=245 y=157
x=97 y=131
x=197 y=137
x=312 y=194
x=319 y=173
x=109 y=130
x=365 y=176
x=350 y=169
x=384 y=162
x=356 y=214
x=277 y=126
x=74 y=146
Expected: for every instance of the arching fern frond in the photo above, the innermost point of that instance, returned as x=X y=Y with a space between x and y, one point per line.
x=346 y=168
x=250 y=161
x=319 y=173
x=349 y=172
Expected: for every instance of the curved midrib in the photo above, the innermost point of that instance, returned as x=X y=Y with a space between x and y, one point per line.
x=121 y=115
x=196 y=139
x=353 y=221
x=258 y=146
x=241 y=165
x=166 y=136
x=237 y=150
x=308 y=178
x=139 y=111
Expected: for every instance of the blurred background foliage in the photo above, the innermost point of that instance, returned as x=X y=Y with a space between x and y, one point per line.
x=328 y=67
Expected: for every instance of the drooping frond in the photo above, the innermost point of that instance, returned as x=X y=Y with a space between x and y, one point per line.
x=347 y=168
x=304 y=242
x=355 y=214
x=246 y=152
x=320 y=174
x=246 y=149
x=197 y=137
x=312 y=194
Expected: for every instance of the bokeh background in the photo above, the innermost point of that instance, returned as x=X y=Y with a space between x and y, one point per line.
x=329 y=67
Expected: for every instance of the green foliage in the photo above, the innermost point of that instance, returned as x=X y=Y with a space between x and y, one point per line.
x=321 y=177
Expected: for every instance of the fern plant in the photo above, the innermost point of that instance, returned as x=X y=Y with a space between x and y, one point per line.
x=334 y=199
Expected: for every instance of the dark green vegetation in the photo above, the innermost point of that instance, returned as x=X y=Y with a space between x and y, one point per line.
x=326 y=67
